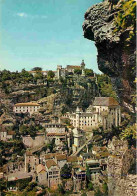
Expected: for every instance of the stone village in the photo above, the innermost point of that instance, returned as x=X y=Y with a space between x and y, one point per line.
x=70 y=143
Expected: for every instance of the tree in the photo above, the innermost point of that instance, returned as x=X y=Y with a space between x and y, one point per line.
x=37 y=69
x=51 y=74
x=51 y=145
x=90 y=186
x=77 y=71
x=98 y=192
x=105 y=188
x=61 y=189
x=129 y=134
x=38 y=75
x=66 y=171
x=105 y=86
x=88 y=174
x=89 y=72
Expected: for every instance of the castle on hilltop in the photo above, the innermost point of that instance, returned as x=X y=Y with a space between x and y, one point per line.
x=63 y=72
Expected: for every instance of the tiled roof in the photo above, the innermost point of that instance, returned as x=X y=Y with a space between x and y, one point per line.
x=27 y=104
x=11 y=133
x=38 y=71
x=50 y=163
x=51 y=155
x=73 y=66
x=61 y=157
x=105 y=101
x=56 y=134
x=29 y=153
x=72 y=159
x=40 y=167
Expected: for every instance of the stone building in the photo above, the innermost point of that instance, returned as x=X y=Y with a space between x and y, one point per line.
x=53 y=174
x=31 y=162
x=79 y=139
x=29 y=107
x=6 y=135
x=58 y=132
x=61 y=160
x=63 y=72
x=42 y=175
x=105 y=111
x=79 y=178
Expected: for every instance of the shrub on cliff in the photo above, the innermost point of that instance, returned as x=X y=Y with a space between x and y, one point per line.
x=126 y=18
x=129 y=134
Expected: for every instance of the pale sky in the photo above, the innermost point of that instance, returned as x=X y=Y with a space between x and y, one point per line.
x=44 y=33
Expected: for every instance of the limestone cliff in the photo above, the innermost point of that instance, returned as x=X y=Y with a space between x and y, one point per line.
x=116 y=49
x=121 y=169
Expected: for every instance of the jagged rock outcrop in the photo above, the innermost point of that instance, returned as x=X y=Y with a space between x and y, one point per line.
x=116 y=57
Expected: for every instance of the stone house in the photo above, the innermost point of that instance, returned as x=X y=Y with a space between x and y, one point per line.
x=6 y=135
x=42 y=175
x=29 y=107
x=31 y=161
x=58 y=132
x=53 y=173
x=73 y=160
x=61 y=160
x=94 y=167
x=79 y=178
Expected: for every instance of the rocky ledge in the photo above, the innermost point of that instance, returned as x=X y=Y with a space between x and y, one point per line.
x=116 y=57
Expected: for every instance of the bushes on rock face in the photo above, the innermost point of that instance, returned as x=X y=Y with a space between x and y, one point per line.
x=126 y=17
x=129 y=133
x=105 y=86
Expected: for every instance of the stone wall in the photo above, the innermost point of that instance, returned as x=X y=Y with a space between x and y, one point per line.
x=30 y=142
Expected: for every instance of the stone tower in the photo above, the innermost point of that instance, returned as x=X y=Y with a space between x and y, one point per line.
x=83 y=68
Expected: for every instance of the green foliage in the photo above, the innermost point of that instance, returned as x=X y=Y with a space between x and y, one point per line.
x=90 y=186
x=51 y=145
x=129 y=134
x=51 y=74
x=37 y=69
x=2 y=185
x=88 y=174
x=84 y=194
x=38 y=75
x=66 y=171
x=89 y=72
x=29 y=129
x=126 y=18
x=77 y=71
x=105 y=188
x=61 y=189
x=105 y=86
x=98 y=192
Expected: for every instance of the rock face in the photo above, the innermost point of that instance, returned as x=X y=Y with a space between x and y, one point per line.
x=115 y=58
x=121 y=182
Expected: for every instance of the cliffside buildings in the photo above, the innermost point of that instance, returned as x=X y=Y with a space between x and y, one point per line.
x=29 y=107
x=105 y=112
